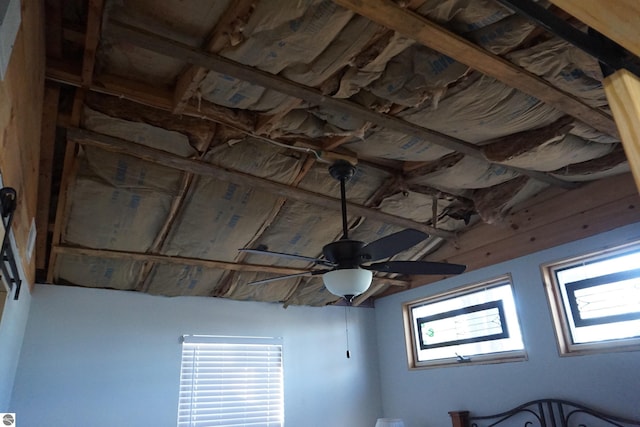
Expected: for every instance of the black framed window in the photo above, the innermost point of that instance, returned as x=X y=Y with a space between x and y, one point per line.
x=595 y=300
x=477 y=323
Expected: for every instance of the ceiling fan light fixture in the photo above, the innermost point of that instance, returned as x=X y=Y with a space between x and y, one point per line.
x=347 y=282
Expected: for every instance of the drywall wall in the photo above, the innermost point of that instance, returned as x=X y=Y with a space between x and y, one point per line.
x=103 y=358
x=12 y=328
x=423 y=397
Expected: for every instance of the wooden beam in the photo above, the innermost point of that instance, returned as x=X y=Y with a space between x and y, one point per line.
x=164 y=158
x=69 y=170
x=92 y=36
x=623 y=93
x=152 y=96
x=53 y=29
x=47 y=143
x=171 y=48
x=227 y=285
x=200 y=132
x=166 y=259
x=220 y=37
x=390 y=15
x=198 y=262
x=618 y=20
x=156 y=43
x=159 y=98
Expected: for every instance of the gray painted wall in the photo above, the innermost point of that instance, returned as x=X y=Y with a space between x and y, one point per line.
x=12 y=327
x=105 y=358
x=423 y=397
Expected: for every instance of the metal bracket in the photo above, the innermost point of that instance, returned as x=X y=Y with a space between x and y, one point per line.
x=612 y=56
x=8 y=203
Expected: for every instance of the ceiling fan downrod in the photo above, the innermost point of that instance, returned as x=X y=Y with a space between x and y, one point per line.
x=342 y=170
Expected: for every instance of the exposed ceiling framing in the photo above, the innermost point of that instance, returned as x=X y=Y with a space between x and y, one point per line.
x=80 y=77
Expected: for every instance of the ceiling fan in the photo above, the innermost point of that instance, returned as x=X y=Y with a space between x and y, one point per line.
x=350 y=263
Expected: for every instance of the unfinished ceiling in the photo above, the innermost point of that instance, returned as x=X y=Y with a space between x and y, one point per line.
x=186 y=130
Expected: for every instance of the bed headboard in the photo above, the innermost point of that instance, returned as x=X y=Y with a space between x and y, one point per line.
x=543 y=413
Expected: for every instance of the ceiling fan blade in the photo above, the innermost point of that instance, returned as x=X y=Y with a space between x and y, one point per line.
x=416 y=267
x=289 y=256
x=392 y=244
x=288 y=276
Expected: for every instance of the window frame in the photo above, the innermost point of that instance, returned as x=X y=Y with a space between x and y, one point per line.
x=219 y=342
x=560 y=316
x=412 y=333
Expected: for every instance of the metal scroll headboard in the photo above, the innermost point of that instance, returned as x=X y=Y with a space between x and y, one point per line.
x=8 y=265
x=549 y=413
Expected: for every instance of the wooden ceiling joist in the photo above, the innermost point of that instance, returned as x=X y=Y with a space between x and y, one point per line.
x=153 y=42
x=197 y=262
x=92 y=36
x=47 y=142
x=618 y=20
x=157 y=98
x=164 y=158
x=220 y=38
x=623 y=92
x=389 y=14
x=152 y=96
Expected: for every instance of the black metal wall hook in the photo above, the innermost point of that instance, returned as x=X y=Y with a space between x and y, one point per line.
x=8 y=265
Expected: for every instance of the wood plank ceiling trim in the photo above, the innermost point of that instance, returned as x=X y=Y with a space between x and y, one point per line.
x=552 y=218
x=123 y=32
x=389 y=14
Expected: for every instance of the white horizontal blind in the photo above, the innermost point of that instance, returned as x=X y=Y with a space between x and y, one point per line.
x=229 y=381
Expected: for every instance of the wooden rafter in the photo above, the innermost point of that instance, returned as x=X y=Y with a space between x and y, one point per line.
x=198 y=262
x=152 y=96
x=69 y=170
x=389 y=14
x=623 y=93
x=158 y=44
x=617 y=20
x=220 y=38
x=47 y=142
x=164 y=158
x=92 y=36
x=158 y=98
x=277 y=208
x=178 y=203
x=53 y=11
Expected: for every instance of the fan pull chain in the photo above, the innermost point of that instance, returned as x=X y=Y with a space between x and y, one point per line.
x=346 y=327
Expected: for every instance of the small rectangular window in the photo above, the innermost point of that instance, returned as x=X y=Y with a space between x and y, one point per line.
x=478 y=323
x=595 y=300
x=231 y=381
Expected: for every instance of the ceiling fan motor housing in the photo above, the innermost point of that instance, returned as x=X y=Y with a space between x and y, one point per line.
x=345 y=253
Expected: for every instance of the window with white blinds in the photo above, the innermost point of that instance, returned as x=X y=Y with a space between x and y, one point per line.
x=231 y=381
